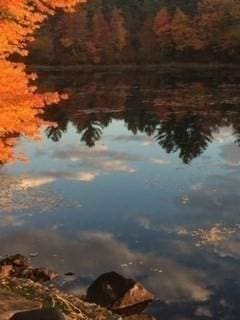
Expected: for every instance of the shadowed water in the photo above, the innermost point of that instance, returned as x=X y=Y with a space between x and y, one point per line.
x=138 y=174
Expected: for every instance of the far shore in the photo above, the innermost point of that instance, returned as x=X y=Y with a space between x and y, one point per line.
x=165 y=67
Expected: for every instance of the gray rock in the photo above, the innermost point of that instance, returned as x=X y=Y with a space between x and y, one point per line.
x=41 y=314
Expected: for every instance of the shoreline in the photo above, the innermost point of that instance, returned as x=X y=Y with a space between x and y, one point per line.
x=166 y=67
x=21 y=295
x=24 y=288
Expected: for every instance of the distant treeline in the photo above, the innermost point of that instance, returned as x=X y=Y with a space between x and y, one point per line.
x=141 y=31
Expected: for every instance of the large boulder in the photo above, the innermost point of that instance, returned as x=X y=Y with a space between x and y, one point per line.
x=117 y=293
x=41 y=314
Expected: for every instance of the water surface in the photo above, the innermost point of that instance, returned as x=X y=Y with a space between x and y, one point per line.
x=139 y=173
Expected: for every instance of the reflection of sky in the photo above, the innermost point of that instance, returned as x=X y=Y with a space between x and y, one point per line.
x=126 y=205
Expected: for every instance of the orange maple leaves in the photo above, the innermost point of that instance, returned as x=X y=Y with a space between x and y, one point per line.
x=20 y=104
x=20 y=18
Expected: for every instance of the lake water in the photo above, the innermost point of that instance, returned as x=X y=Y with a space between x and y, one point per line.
x=140 y=174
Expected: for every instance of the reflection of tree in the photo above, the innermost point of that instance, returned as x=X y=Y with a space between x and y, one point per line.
x=182 y=117
x=235 y=122
x=92 y=133
x=186 y=135
x=55 y=132
x=20 y=108
x=137 y=117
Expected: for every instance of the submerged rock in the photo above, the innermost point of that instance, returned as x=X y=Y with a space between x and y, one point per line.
x=117 y=293
x=41 y=314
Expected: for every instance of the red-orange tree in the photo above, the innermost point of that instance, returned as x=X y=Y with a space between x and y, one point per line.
x=20 y=104
x=19 y=19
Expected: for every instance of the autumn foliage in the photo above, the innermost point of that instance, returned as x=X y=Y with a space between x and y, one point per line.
x=138 y=31
x=19 y=19
x=20 y=104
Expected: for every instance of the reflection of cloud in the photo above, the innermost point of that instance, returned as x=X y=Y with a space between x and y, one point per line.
x=160 y=161
x=98 y=158
x=223 y=134
x=13 y=221
x=135 y=138
x=224 y=240
x=148 y=143
x=215 y=203
x=94 y=253
x=26 y=193
x=147 y=224
x=231 y=154
x=217 y=195
x=196 y=186
x=128 y=138
x=203 y=311
x=49 y=177
x=33 y=182
x=116 y=165
x=80 y=176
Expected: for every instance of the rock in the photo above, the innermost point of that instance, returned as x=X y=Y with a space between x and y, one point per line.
x=41 y=314
x=11 y=303
x=117 y=293
x=13 y=265
x=6 y=271
x=69 y=274
x=19 y=266
x=40 y=274
x=140 y=317
x=16 y=261
x=34 y=254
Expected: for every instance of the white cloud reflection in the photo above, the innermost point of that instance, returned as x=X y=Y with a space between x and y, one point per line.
x=223 y=134
x=98 y=158
x=80 y=176
x=93 y=253
x=231 y=154
x=26 y=193
x=145 y=140
x=35 y=182
x=160 y=161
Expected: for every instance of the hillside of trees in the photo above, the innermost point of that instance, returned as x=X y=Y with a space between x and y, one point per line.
x=141 y=32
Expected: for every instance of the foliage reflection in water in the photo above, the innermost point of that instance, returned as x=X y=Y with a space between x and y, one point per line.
x=138 y=174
